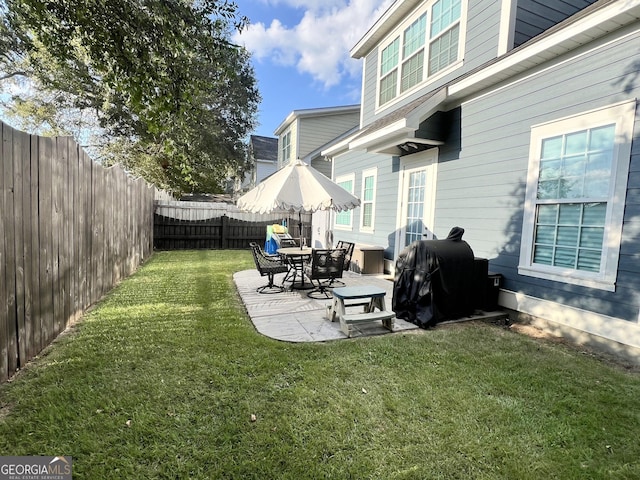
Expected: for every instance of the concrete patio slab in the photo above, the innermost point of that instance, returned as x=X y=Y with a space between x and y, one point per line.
x=291 y=316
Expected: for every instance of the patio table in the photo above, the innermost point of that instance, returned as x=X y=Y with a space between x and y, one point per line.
x=296 y=258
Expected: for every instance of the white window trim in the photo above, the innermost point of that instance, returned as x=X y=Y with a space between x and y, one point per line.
x=371 y=172
x=340 y=179
x=282 y=159
x=427 y=160
x=398 y=32
x=623 y=115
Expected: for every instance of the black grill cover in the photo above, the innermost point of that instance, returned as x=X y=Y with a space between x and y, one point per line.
x=434 y=280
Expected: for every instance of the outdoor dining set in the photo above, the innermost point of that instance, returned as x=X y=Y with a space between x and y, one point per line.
x=319 y=271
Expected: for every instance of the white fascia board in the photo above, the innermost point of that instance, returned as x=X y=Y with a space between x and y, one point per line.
x=381 y=28
x=535 y=53
x=398 y=128
x=315 y=112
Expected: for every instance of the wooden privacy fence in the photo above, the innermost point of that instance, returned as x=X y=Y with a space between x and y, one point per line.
x=69 y=230
x=197 y=225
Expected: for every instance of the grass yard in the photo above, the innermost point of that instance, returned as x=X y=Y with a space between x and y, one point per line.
x=162 y=378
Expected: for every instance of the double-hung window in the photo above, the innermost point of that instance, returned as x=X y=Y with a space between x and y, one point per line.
x=367 y=206
x=285 y=148
x=575 y=197
x=431 y=35
x=344 y=219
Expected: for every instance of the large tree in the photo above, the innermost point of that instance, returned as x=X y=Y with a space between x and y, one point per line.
x=172 y=96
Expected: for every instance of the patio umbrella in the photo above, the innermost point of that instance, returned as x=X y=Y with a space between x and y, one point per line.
x=297 y=188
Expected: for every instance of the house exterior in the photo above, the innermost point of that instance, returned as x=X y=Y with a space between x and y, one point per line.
x=303 y=131
x=517 y=121
x=263 y=154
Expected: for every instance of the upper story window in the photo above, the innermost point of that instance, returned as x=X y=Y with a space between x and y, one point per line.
x=432 y=35
x=573 y=214
x=285 y=149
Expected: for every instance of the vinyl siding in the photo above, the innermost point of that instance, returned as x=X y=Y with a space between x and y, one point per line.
x=481 y=45
x=317 y=131
x=482 y=176
x=385 y=199
x=534 y=17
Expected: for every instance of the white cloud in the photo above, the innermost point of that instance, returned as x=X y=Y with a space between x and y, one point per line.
x=319 y=44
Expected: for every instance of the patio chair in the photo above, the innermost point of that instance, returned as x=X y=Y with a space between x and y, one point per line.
x=348 y=248
x=268 y=266
x=326 y=264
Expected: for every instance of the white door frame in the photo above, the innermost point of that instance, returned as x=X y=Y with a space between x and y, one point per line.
x=428 y=161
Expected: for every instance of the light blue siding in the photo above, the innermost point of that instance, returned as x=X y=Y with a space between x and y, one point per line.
x=482 y=172
x=481 y=45
x=385 y=199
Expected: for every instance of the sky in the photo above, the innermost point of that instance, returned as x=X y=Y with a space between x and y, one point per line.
x=300 y=53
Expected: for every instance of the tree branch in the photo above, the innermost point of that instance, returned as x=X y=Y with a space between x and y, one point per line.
x=12 y=74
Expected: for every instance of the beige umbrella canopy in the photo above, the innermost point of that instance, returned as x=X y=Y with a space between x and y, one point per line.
x=297 y=188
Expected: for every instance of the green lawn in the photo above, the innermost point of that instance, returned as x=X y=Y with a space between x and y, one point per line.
x=161 y=379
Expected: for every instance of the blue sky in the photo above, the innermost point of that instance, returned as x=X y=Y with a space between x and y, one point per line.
x=300 y=53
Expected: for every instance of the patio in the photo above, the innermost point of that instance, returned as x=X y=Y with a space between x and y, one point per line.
x=291 y=316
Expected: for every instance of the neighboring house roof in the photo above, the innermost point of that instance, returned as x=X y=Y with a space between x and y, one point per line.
x=264 y=148
x=315 y=112
x=401 y=125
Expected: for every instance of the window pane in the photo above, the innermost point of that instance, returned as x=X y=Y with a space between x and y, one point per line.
x=412 y=71
x=548 y=189
x=550 y=169
x=565 y=257
x=389 y=57
x=576 y=143
x=546 y=235
x=602 y=138
x=591 y=237
x=543 y=255
x=414 y=36
x=594 y=214
x=367 y=215
x=444 y=50
x=548 y=214
x=599 y=164
x=570 y=214
x=388 y=87
x=443 y=14
x=568 y=236
x=552 y=147
x=589 y=260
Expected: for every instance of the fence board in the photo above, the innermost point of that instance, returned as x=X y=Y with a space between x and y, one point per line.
x=46 y=242
x=69 y=230
x=9 y=238
x=4 y=289
x=34 y=252
x=19 y=140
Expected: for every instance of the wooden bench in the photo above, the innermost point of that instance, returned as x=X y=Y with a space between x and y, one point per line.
x=375 y=300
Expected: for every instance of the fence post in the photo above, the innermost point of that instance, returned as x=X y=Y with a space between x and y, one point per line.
x=224 y=232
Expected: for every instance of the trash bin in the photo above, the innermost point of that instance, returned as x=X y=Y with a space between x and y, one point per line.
x=494 y=282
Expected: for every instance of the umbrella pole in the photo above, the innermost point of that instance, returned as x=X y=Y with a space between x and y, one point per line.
x=300 y=228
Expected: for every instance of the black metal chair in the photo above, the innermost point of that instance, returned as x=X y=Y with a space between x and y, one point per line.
x=268 y=266
x=326 y=265
x=348 y=249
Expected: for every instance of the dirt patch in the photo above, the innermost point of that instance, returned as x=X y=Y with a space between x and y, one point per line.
x=601 y=355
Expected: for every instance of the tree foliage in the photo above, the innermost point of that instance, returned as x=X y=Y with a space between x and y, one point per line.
x=172 y=95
